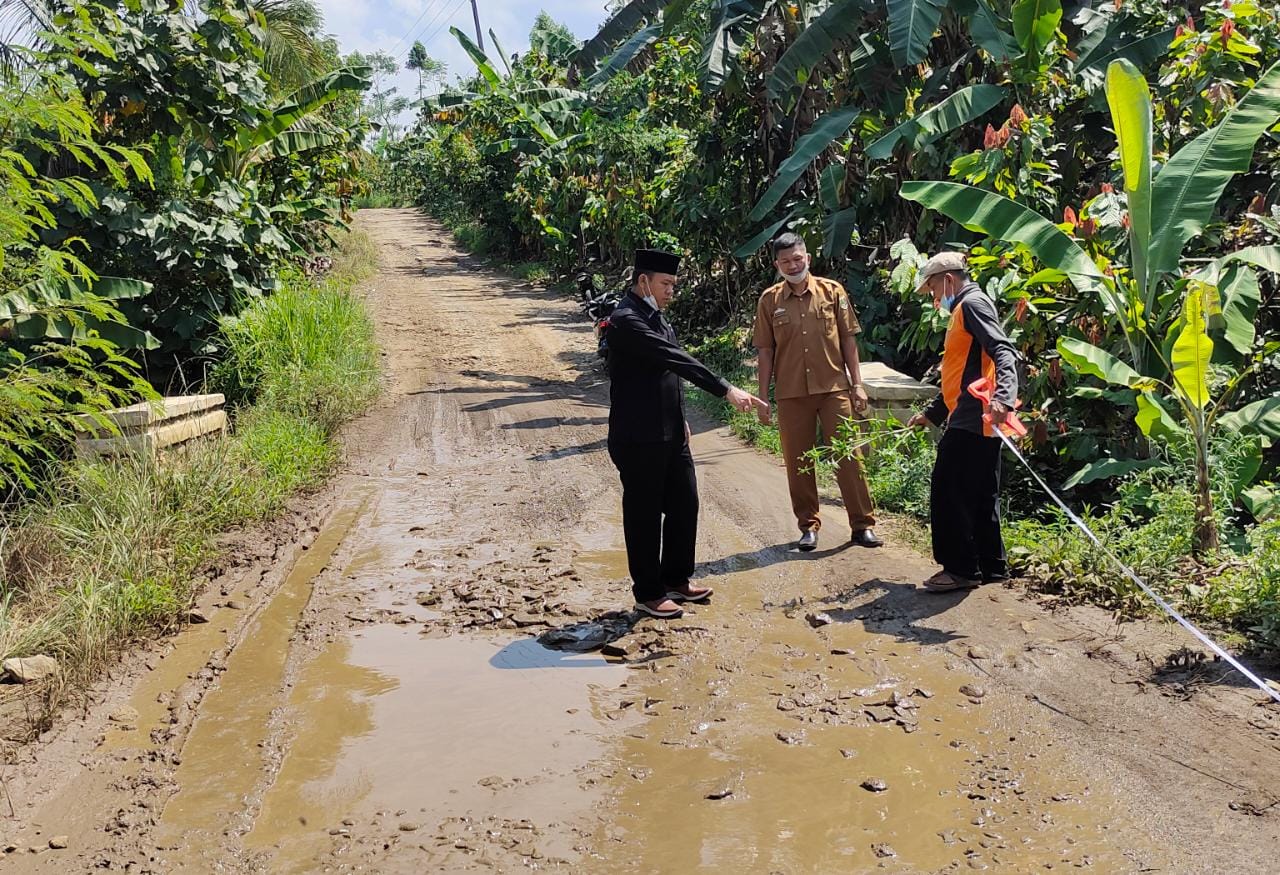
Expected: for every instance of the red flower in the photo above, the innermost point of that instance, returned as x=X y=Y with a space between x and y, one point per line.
x=1039 y=433
x=1062 y=426
x=1055 y=372
x=1069 y=216
x=1126 y=222
x=1017 y=116
x=1201 y=48
x=1088 y=228
x=1179 y=31
x=1107 y=188
x=990 y=138
x=1020 y=310
x=1191 y=24
x=1228 y=28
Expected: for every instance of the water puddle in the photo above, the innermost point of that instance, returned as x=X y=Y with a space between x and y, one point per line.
x=602 y=565
x=393 y=727
x=834 y=749
x=222 y=761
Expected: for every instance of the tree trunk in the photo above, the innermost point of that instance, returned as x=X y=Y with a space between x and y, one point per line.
x=1205 y=537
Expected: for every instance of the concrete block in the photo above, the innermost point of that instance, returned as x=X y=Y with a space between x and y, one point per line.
x=150 y=427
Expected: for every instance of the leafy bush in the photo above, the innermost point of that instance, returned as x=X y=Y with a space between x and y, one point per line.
x=1248 y=593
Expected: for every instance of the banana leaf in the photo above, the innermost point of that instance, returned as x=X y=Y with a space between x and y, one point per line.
x=618 y=61
x=1130 y=102
x=621 y=25
x=1035 y=22
x=824 y=131
x=839 y=21
x=995 y=215
x=1260 y=417
x=1188 y=187
x=1096 y=362
x=301 y=104
x=1140 y=51
x=959 y=109
x=731 y=19
x=1192 y=353
x=1104 y=469
x=911 y=27
x=990 y=34
x=837 y=232
x=748 y=249
x=478 y=57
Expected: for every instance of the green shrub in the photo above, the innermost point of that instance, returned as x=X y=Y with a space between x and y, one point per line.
x=306 y=350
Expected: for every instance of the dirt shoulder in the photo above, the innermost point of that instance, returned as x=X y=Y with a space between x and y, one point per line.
x=375 y=698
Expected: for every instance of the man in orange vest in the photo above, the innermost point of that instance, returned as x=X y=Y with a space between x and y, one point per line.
x=964 y=498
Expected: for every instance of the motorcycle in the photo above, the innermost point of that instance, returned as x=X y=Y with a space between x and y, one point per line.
x=599 y=306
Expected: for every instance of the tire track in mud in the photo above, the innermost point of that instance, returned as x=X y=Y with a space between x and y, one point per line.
x=819 y=716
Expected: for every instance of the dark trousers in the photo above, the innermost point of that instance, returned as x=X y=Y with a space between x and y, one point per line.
x=659 y=514
x=964 y=501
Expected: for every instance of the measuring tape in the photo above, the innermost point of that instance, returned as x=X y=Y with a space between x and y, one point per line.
x=983 y=390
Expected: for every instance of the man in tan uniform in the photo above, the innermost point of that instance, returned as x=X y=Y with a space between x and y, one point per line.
x=806 y=334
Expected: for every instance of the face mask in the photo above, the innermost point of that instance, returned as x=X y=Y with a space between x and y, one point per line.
x=947 y=301
x=798 y=278
x=647 y=297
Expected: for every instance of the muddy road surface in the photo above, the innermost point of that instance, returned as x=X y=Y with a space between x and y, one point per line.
x=368 y=693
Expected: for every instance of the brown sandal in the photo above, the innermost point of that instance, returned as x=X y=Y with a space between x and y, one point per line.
x=945 y=581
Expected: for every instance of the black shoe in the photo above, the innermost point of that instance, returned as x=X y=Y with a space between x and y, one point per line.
x=866 y=538
x=808 y=542
x=995 y=578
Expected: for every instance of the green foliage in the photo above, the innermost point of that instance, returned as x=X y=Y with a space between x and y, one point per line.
x=108 y=551
x=307 y=351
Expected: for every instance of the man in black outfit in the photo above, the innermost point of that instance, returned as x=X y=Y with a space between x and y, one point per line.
x=649 y=437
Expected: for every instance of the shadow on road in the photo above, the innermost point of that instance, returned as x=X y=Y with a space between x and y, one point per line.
x=527 y=653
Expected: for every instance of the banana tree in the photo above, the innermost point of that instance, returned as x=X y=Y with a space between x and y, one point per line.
x=1164 y=319
x=291 y=125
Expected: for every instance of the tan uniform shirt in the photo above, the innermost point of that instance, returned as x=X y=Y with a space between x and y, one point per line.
x=805 y=332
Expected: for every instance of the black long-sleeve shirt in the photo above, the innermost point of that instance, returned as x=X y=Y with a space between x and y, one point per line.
x=976 y=347
x=646 y=364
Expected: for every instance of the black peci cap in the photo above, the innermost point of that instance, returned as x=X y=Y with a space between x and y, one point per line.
x=657 y=261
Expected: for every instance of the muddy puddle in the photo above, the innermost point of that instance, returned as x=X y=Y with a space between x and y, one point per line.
x=811 y=745
x=226 y=746
x=398 y=737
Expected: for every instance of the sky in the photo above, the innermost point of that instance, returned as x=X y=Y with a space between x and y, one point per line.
x=394 y=25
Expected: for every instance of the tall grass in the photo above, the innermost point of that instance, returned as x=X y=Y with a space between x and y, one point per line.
x=110 y=552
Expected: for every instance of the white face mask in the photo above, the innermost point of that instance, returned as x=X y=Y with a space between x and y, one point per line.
x=798 y=278
x=647 y=297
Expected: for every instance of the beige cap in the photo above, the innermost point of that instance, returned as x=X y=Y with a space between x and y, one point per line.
x=943 y=262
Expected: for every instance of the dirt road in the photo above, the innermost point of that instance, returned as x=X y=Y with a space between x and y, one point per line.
x=368 y=694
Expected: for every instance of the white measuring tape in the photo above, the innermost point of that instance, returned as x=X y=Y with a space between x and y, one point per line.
x=1129 y=573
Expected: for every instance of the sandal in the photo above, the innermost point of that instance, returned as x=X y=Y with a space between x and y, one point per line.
x=945 y=581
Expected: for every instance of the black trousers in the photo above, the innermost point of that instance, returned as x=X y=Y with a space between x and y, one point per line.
x=659 y=514
x=964 y=501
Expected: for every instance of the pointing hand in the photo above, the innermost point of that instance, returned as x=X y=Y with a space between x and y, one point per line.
x=744 y=401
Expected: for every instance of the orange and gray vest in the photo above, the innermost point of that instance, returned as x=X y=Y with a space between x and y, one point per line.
x=976 y=347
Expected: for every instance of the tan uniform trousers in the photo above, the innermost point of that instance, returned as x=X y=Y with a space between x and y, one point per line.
x=798 y=420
